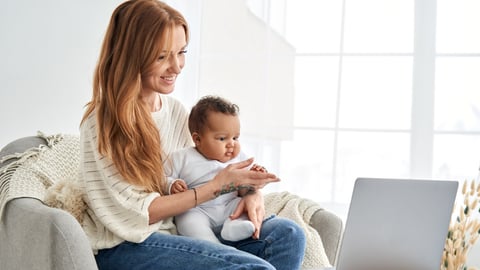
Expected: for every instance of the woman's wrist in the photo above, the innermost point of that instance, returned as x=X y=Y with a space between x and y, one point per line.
x=196 y=196
x=224 y=189
x=205 y=193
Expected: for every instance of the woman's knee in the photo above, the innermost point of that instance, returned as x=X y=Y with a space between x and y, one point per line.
x=286 y=229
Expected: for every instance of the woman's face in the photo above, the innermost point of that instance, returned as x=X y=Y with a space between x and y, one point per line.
x=162 y=74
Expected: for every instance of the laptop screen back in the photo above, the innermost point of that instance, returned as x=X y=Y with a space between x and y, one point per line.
x=397 y=224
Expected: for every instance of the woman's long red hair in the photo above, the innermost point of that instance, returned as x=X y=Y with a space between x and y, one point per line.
x=138 y=32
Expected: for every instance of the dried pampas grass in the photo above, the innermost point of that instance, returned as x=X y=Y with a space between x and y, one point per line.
x=464 y=230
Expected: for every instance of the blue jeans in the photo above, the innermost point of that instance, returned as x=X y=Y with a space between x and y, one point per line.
x=281 y=246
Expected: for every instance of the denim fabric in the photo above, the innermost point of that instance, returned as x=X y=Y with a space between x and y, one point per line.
x=282 y=243
x=281 y=246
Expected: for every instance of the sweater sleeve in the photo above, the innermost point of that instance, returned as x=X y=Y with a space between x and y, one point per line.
x=117 y=210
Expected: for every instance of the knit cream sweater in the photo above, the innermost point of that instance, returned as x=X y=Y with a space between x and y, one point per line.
x=118 y=211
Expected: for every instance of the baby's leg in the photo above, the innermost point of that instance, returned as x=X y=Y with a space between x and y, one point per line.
x=237 y=229
x=195 y=224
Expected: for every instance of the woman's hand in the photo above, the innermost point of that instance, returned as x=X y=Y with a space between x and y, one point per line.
x=254 y=207
x=236 y=175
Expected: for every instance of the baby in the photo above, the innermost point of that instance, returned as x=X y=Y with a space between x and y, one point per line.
x=215 y=129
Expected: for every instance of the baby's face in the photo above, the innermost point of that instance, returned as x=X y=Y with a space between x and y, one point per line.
x=219 y=138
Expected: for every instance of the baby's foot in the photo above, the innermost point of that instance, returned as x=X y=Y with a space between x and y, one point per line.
x=237 y=229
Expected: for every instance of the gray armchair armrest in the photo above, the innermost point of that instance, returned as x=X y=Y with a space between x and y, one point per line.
x=35 y=236
x=330 y=229
x=20 y=146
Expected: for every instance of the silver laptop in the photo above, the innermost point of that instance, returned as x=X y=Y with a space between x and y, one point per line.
x=397 y=224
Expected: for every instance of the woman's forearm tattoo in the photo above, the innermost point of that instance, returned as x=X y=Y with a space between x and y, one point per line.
x=244 y=189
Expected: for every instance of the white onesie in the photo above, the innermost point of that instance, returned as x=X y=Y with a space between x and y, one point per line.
x=207 y=218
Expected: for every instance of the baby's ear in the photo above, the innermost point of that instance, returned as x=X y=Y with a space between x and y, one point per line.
x=196 y=138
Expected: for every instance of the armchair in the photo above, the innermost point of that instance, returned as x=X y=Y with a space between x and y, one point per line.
x=36 y=236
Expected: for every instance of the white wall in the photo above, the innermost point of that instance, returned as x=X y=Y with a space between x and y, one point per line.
x=48 y=51
x=254 y=70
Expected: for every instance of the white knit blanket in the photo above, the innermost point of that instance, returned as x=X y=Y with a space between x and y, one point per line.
x=300 y=210
x=38 y=168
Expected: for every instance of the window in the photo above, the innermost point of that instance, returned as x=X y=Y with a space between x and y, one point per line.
x=380 y=89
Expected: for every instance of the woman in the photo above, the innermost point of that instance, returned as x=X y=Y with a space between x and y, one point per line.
x=129 y=128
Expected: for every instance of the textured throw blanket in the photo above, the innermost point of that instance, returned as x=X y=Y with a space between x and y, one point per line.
x=38 y=168
x=300 y=210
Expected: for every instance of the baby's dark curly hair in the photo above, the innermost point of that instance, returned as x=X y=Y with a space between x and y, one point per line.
x=199 y=113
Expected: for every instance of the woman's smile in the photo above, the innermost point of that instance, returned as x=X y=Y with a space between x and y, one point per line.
x=169 y=79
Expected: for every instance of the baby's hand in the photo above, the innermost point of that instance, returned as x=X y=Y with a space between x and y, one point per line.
x=258 y=168
x=178 y=186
